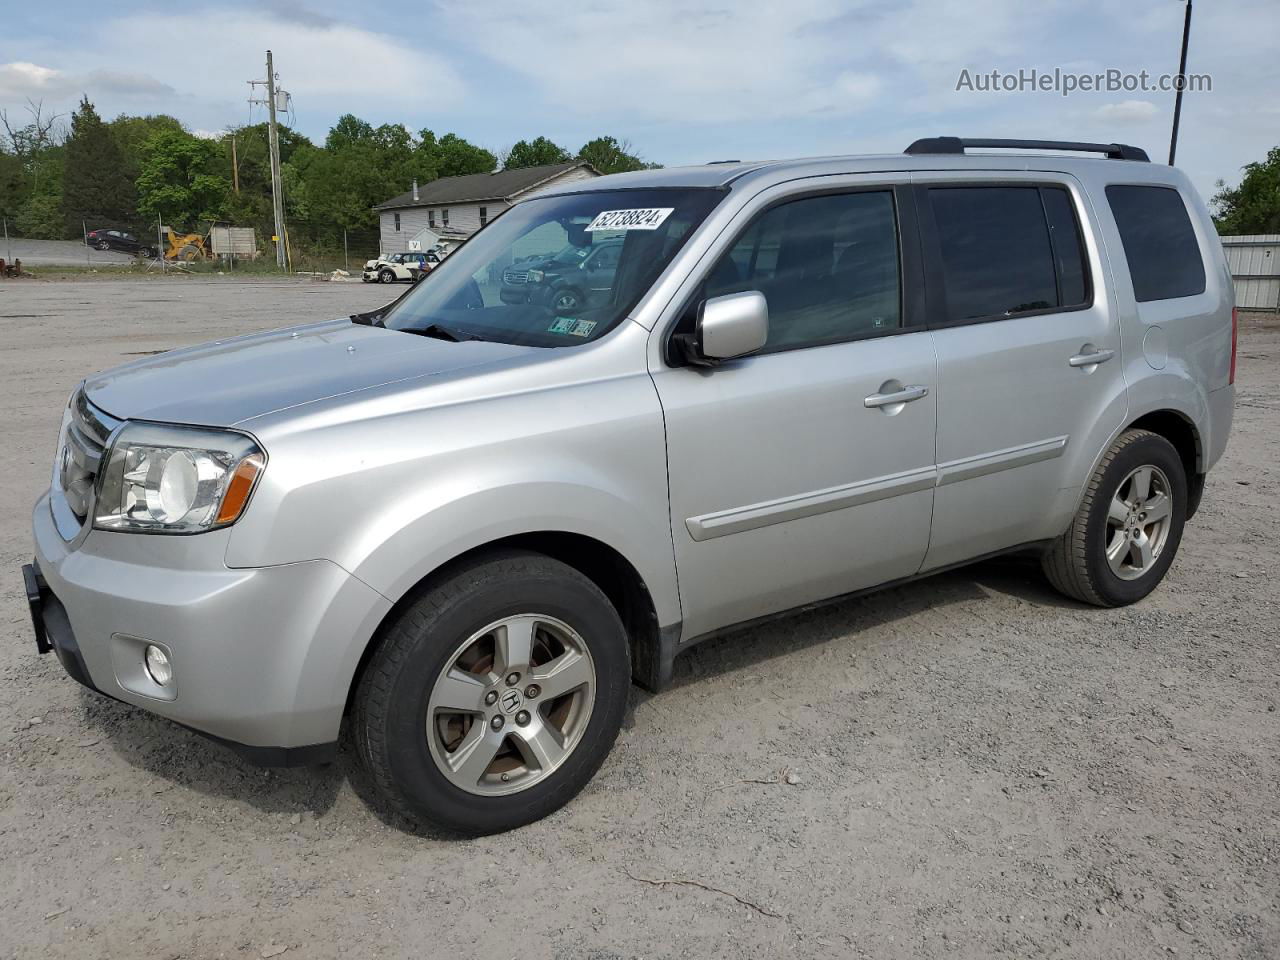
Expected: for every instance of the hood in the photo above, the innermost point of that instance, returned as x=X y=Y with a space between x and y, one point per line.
x=230 y=381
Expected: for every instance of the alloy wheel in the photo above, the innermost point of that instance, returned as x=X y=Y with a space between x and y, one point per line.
x=1139 y=518
x=511 y=704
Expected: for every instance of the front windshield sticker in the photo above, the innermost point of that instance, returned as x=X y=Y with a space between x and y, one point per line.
x=575 y=328
x=647 y=218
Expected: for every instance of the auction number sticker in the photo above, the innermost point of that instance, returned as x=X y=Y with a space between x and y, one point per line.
x=646 y=218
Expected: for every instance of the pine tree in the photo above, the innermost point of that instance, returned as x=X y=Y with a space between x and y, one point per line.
x=96 y=187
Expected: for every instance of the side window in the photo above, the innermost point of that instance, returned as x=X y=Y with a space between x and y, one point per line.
x=997 y=258
x=827 y=265
x=1159 y=242
x=606 y=259
x=1068 y=247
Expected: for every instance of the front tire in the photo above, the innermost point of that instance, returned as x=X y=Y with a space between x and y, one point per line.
x=495 y=695
x=386 y=276
x=1126 y=531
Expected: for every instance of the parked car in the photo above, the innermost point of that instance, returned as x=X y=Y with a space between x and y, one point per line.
x=571 y=279
x=105 y=239
x=462 y=527
x=390 y=267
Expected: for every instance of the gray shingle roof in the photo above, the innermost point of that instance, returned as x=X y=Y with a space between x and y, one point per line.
x=503 y=185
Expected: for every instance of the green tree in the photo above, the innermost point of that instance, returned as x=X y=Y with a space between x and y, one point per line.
x=609 y=156
x=96 y=189
x=452 y=156
x=180 y=181
x=1254 y=206
x=132 y=133
x=13 y=186
x=535 y=153
x=40 y=218
x=359 y=166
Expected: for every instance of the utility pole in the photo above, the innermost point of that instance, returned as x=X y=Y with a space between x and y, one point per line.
x=273 y=141
x=1182 y=82
x=235 y=166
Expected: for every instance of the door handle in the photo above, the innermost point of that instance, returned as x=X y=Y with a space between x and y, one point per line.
x=1091 y=359
x=905 y=395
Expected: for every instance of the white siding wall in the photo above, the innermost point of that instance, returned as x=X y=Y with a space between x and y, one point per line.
x=463 y=217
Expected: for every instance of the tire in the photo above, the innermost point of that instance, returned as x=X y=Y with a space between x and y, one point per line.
x=190 y=253
x=103 y=245
x=386 y=276
x=401 y=729
x=1120 y=543
x=567 y=301
x=144 y=253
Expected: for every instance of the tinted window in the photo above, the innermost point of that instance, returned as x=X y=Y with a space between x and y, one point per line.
x=827 y=265
x=1159 y=242
x=1068 y=251
x=997 y=258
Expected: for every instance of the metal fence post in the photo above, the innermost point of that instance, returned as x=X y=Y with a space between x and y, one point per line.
x=346 y=263
x=7 y=245
x=88 y=251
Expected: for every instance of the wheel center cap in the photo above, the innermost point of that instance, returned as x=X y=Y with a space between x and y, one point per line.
x=511 y=701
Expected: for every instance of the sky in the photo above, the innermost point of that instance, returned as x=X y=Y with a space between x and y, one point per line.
x=685 y=81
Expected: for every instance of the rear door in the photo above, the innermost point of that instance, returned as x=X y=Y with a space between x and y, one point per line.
x=806 y=470
x=1030 y=383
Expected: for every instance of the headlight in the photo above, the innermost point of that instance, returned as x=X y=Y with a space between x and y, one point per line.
x=172 y=479
x=535 y=276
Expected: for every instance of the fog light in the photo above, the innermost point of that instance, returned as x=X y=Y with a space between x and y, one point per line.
x=158 y=666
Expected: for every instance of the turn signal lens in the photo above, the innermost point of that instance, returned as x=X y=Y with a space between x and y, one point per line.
x=238 y=490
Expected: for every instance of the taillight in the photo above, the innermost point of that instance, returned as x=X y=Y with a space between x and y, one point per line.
x=1235 y=336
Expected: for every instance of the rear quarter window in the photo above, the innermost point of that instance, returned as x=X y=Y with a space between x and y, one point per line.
x=1159 y=242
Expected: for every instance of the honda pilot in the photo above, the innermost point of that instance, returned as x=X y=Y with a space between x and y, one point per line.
x=458 y=527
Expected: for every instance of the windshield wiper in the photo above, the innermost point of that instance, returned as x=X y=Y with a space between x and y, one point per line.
x=440 y=332
x=371 y=319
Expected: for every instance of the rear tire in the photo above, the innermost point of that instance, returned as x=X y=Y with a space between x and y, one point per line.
x=1126 y=531
x=453 y=643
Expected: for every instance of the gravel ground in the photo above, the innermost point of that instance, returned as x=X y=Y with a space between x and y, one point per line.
x=969 y=766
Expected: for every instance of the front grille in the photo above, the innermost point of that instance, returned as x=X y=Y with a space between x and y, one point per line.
x=516 y=276
x=82 y=449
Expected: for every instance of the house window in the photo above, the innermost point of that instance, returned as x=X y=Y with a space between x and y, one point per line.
x=397 y=216
x=431 y=219
x=444 y=218
x=484 y=216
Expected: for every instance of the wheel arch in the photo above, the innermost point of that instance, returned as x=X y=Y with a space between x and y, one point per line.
x=601 y=563
x=1179 y=428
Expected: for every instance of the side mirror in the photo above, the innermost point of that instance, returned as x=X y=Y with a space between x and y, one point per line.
x=732 y=326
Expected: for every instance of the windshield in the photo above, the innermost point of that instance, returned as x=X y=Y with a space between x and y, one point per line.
x=528 y=277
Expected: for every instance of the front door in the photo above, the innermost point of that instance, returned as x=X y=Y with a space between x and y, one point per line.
x=807 y=470
x=1030 y=383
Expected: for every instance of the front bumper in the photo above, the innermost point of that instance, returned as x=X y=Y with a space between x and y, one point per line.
x=262 y=658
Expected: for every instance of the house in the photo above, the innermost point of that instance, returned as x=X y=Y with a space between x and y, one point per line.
x=451 y=209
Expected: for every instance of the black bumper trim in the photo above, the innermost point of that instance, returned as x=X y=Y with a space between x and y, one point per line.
x=54 y=633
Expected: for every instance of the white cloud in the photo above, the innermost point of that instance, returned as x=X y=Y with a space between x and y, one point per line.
x=20 y=80
x=1127 y=111
x=668 y=61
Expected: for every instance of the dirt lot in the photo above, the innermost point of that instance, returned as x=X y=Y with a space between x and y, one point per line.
x=977 y=766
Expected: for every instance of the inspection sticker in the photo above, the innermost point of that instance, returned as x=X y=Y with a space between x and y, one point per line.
x=647 y=218
x=575 y=328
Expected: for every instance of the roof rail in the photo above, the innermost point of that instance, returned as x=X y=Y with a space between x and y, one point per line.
x=954 y=145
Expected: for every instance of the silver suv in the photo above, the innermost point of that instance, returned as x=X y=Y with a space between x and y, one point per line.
x=463 y=526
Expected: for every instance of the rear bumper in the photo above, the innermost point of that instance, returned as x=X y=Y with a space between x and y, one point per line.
x=1222 y=404
x=262 y=658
